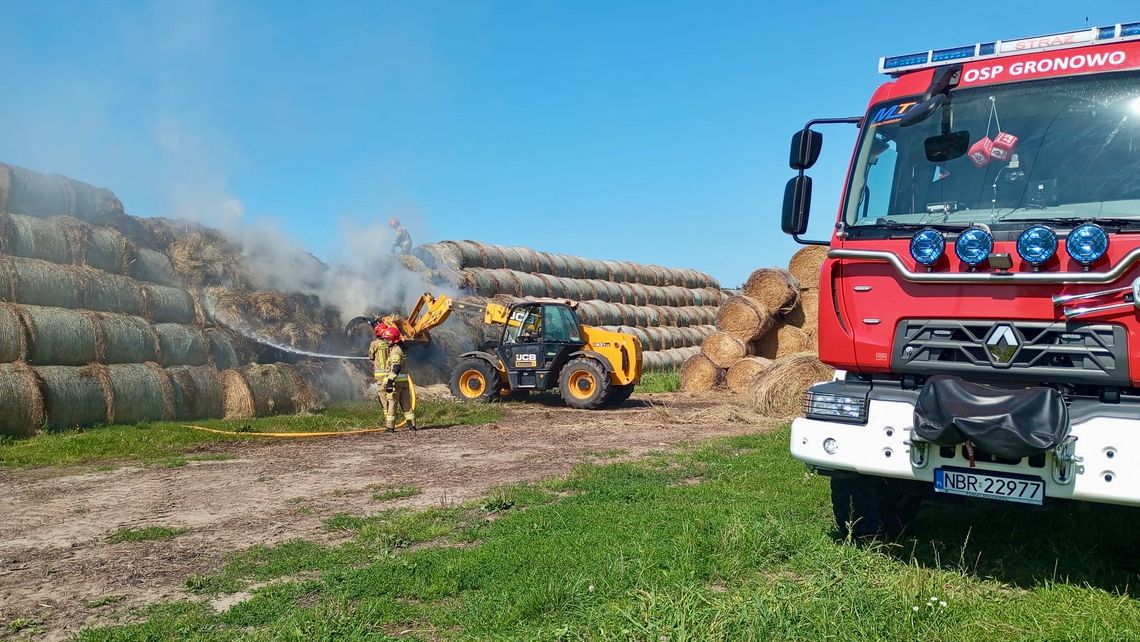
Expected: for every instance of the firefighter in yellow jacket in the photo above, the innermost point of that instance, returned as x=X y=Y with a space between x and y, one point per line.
x=395 y=391
x=378 y=355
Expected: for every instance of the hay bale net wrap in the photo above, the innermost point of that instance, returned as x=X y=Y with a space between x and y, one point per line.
x=744 y=318
x=784 y=341
x=699 y=373
x=22 y=413
x=197 y=392
x=13 y=338
x=168 y=305
x=261 y=390
x=126 y=339
x=742 y=374
x=150 y=266
x=775 y=288
x=671 y=360
x=34 y=282
x=333 y=381
x=139 y=392
x=806 y=265
x=222 y=351
x=658 y=339
x=473 y=254
x=63 y=240
x=104 y=292
x=23 y=191
x=723 y=349
x=74 y=397
x=779 y=391
x=58 y=336
x=182 y=345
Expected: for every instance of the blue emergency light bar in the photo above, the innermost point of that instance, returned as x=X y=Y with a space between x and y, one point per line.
x=898 y=65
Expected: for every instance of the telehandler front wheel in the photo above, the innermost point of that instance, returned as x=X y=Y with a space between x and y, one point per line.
x=475 y=380
x=584 y=384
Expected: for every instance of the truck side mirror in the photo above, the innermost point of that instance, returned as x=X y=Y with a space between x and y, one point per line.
x=806 y=145
x=797 y=205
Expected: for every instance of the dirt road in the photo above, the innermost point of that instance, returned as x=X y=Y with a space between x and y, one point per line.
x=56 y=565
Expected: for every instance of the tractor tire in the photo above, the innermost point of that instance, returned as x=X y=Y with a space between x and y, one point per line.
x=476 y=381
x=584 y=384
x=620 y=394
x=870 y=507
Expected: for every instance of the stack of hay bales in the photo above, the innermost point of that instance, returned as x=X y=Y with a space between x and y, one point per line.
x=670 y=310
x=764 y=345
x=98 y=326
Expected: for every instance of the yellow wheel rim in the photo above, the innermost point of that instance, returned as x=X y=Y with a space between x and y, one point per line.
x=472 y=383
x=582 y=384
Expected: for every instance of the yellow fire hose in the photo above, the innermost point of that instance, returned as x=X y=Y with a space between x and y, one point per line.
x=403 y=422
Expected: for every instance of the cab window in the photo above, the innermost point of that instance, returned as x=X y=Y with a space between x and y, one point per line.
x=560 y=324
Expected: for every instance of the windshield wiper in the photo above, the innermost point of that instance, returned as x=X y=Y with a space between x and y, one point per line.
x=898 y=226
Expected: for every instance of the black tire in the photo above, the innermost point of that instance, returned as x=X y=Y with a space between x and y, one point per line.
x=867 y=507
x=620 y=394
x=584 y=384
x=476 y=381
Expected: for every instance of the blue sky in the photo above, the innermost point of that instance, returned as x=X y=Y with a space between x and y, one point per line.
x=647 y=131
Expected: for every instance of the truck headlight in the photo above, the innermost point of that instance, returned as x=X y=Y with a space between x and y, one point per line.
x=833 y=407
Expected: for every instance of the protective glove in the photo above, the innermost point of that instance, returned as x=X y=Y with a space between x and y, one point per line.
x=390 y=387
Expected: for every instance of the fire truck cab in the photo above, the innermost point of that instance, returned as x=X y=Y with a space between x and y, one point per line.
x=979 y=297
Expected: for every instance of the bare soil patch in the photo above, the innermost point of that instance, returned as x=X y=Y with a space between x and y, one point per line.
x=57 y=567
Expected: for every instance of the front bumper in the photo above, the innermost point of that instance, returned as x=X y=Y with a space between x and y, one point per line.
x=1105 y=467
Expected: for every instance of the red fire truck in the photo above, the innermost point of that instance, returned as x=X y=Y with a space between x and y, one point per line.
x=979 y=298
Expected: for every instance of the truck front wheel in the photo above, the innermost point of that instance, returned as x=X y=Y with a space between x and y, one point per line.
x=868 y=506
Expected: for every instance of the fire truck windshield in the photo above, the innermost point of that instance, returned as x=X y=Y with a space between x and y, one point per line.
x=1065 y=148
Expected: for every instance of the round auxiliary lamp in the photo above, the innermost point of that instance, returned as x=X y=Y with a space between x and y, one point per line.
x=1087 y=243
x=927 y=246
x=974 y=246
x=1036 y=245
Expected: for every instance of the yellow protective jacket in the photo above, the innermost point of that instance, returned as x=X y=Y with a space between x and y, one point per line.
x=397 y=357
x=378 y=353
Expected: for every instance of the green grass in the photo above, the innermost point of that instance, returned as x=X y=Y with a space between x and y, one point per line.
x=167 y=443
x=627 y=552
x=150 y=533
x=387 y=493
x=660 y=381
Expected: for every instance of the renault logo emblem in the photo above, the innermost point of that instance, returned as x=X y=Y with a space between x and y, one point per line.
x=1002 y=345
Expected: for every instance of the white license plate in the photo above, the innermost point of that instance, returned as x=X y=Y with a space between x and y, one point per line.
x=1023 y=489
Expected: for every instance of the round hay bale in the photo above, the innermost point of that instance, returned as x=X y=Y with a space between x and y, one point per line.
x=550 y=284
x=181 y=345
x=23 y=191
x=104 y=249
x=197 y=392
x=272 y=389
x=22 y=413
x=742 y=373
x=699 y=374
x=723 y=349
x=626 y=292
x=650 y=361
x=575 y=266
x=586 y=290
x=640 y=294
x=705 y=315
x=140 y=392
x=221 y=346
x=412 y=263
x=493 y=256
x=13 y=336
x=508 y=282
x=666 y=315
x=531 y=285
x=154 y=267
x=34 y=282
x=559 y=266
x=806 y=265
x=805 y=315
x=482 y=282
x=74 y=397
x=105 y=292
x=512 y=260
x=331 y=383
x=168 y=305
x=653 y=316
x=470 y=254
x=38 y=238
x=779 y=390
x=775 y=288
x=60 y=337
x=744 y=318
x=783 y=341
x=237 y=398
x=126 y=339
x=543 y=264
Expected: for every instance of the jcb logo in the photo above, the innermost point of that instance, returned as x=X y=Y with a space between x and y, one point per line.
x=526 y=360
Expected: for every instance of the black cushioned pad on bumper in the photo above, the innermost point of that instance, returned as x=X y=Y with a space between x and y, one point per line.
x=1007 y=423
